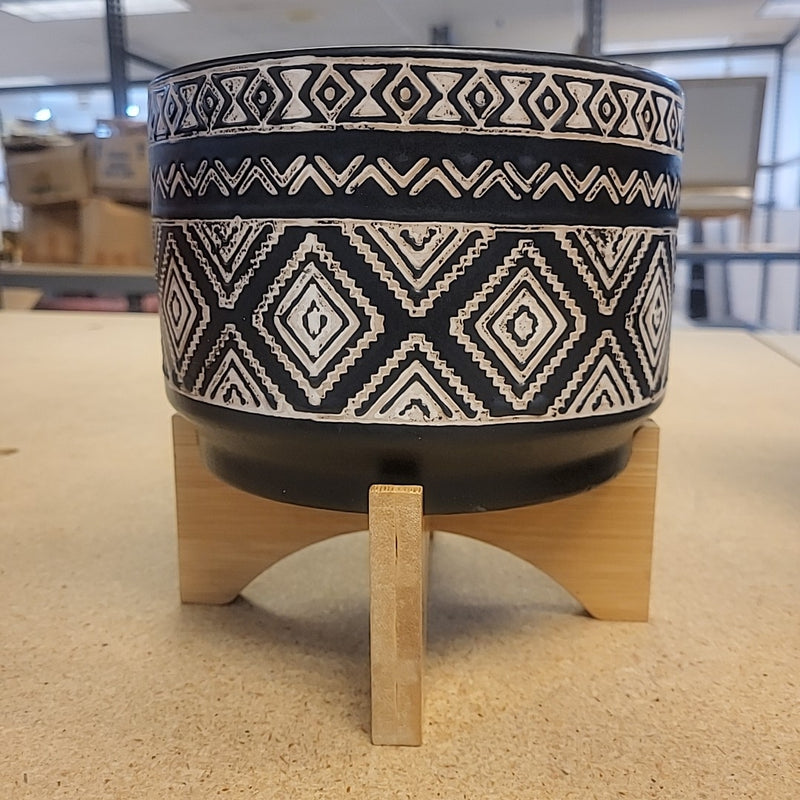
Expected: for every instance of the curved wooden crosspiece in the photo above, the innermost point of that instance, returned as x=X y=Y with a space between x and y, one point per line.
x=227 y=537
x=597 y=545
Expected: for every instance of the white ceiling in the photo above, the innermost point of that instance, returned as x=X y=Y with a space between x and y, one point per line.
x=75 y=51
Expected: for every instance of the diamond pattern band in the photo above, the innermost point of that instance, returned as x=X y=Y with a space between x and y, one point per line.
x=489 y=324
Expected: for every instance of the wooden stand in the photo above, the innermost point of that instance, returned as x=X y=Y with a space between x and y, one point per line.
x=597 y=545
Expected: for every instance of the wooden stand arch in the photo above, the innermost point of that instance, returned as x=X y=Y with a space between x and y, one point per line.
x=597 y=545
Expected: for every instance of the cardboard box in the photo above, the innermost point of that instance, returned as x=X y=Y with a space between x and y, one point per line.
x=115 y=235
x=121 y=168
x=51 y=234
x=49 y=175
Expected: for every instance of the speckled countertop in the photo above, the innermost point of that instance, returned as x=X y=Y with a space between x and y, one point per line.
x=110 y=689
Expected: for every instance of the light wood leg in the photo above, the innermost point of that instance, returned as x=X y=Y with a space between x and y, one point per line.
x=398 y=546
x=227 y=537
x=597 y=545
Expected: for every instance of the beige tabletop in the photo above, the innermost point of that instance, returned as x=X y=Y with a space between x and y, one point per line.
x=111 y=689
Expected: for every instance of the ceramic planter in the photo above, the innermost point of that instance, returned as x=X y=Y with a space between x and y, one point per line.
x=415 y=265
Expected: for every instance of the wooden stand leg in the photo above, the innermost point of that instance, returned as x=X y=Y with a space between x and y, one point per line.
x=597 y=545
x=227 y=537
x=398 y=556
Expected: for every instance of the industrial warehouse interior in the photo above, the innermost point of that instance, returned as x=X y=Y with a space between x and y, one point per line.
x=399 y=399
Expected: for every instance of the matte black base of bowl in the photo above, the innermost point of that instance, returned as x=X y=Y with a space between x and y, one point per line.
x=464 y=469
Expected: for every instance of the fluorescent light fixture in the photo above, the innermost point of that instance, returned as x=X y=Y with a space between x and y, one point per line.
x=25 y=80
x=43 y=115
x=778 y=9
x=132 y=110
x=53 y=10
x=657 y=45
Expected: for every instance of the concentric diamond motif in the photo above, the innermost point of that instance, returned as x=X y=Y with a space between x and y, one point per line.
x=332 y=92
x=605 y=109
x=646 y=116
x=549 y=102
x=520 y=326
x=184 y=313
x=407 y=92
x=648 y=321
x=654 y=318
x=210 y=102
x=480 y=97
x=172 y=110
x=261 y=97
x=316 y=319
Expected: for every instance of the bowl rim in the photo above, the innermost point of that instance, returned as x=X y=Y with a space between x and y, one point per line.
x=500 y=55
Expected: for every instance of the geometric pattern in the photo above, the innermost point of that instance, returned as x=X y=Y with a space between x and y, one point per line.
x=607 y=258
x=316 y=320
x=225 y=252
x=415 y=386
x=452 y=95
x=184 y=312
x=518 y=327
x=602 y=384
x=490 y=323
x=232 y=377
x=453 y=308
x=547 y=181
x=648 y=320
x=416 y=260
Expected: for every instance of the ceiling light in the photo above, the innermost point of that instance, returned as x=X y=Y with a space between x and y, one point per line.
x=43 y=115
x=22 y=81
x=667 y=45
x=780 y=8
x=52 y=10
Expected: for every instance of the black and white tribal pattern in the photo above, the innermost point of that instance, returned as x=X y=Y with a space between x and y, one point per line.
x=453 y=95
x=499 y=324
x=410 y=237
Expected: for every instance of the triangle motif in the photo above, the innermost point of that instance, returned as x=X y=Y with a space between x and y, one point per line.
x=418 y=261
x=227 y=241
x=415 y=396
x=224 y=249
x=602 y=384
x=233 y=378
x=606 y=258
x=415 y=387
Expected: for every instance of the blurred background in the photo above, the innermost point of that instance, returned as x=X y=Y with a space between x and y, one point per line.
x=81 y=67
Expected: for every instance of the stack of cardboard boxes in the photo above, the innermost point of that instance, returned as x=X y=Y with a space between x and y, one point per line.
x=85 y=198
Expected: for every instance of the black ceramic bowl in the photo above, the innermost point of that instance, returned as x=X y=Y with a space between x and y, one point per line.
x=440 y=266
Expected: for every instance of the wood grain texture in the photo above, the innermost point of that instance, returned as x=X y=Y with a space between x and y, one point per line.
x=227 y=537
x=597 y=545
x=398 y=554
